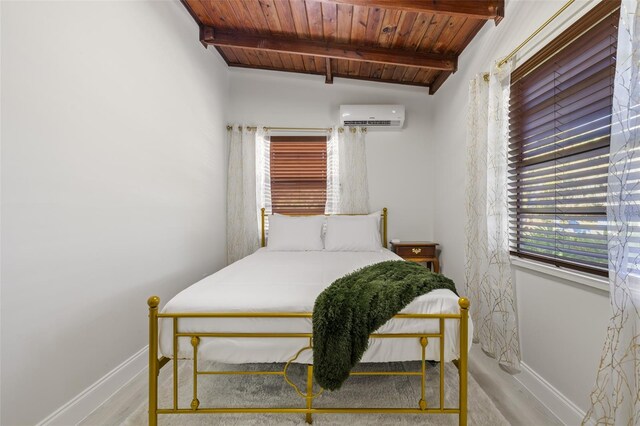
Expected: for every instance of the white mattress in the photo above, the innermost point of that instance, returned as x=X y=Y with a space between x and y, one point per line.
x=274 y=281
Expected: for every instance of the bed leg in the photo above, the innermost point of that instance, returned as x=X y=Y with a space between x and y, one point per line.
x=464 y=353
x=308 y=416
x=153 y=303
x=423 y=403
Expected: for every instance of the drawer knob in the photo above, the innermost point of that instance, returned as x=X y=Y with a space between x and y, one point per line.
x=416 y=250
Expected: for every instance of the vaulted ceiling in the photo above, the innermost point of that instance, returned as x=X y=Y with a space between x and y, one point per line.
x=414 y=42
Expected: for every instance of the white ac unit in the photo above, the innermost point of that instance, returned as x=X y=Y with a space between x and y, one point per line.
x=389 y=116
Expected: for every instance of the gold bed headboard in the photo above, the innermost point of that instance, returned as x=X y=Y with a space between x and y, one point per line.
x=263 y=241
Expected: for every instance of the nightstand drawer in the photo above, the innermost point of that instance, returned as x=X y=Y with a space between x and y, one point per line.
x=409 y=251
x=418 y=251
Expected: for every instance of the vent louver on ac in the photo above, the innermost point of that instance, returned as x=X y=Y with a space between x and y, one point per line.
x=382 y=123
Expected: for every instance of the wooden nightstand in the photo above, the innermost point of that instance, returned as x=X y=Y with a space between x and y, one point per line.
x=418 y=251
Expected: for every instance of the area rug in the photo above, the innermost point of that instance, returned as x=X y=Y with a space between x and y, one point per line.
x=358 y=391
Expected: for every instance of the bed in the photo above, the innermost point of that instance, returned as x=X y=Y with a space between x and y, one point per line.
x=258 y=310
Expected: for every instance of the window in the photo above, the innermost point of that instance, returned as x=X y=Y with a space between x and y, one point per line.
x=298 y=174
x=559 y=130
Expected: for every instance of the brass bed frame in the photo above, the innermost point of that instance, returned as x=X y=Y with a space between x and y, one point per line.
x=155 y=363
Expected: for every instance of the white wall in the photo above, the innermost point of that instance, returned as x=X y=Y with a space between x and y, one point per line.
x=113 y=175
x=400 y=164
x=113 y=172
x=562 y=325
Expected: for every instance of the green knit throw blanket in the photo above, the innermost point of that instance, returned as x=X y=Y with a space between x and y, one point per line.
x=356 y=305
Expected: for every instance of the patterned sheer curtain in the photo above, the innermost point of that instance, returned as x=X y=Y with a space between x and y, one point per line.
x=615 y=399
x=487 y=266
x=242 y=197
x=347 y=183
x=333 y=172
x=263 y=171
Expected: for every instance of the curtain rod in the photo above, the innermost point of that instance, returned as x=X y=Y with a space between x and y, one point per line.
x=296 y=129
x=535 y=33
x=301 y=129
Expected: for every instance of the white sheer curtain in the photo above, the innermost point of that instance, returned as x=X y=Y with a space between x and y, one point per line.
x=333 y=172
x=615 y=399
x=263 y=171
x=347 y=183
x=242 y=195
x=487 y=266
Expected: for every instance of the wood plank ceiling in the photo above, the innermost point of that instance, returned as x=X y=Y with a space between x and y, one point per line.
x=414 y=42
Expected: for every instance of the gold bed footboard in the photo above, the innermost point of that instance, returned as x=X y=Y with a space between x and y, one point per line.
x=308 y=396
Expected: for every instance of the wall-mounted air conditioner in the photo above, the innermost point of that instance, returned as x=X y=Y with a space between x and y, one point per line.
x=378 y=116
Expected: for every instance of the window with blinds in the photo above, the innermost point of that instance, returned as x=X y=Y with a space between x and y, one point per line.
x=559 y=130
x=298 y=174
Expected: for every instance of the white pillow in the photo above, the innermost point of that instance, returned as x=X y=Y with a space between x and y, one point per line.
x=378 y=216
x=353 y=233
x=295 y=233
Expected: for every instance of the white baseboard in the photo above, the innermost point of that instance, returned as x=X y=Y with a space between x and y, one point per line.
x=561 y=406
x=95 y=395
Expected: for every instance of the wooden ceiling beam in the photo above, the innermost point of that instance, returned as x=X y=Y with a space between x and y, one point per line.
x=209 y=36
x=348 y=76
x=477 y=9
x=329 y=74
x=438 y=81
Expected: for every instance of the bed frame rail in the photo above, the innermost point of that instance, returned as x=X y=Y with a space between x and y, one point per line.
x=155 y=364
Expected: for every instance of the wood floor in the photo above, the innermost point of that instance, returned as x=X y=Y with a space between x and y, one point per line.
x=515 y=402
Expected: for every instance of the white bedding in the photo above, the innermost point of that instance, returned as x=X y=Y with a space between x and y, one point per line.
x=273 y=281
